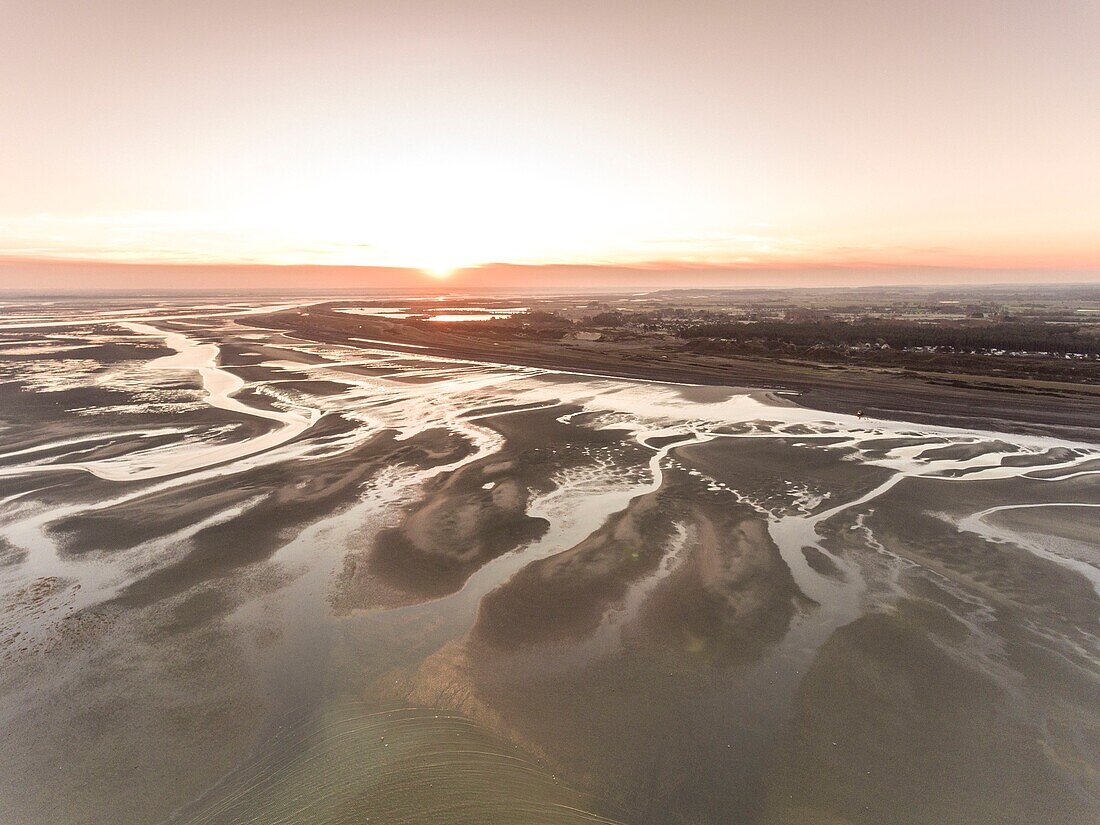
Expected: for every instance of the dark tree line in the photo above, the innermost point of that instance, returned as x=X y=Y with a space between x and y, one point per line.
x=1012 y=336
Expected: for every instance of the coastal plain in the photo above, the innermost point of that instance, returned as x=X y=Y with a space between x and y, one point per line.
x=263 y=561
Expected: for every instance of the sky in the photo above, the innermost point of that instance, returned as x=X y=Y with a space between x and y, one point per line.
x=143 y=140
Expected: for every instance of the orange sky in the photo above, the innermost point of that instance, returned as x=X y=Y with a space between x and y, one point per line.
x=666 y=137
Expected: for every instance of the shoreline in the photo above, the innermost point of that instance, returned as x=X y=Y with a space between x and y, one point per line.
x=1016 y=406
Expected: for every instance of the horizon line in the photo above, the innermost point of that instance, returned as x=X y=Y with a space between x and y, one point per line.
x=51 y=274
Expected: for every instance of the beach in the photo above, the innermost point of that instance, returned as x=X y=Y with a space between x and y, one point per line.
x=255 y=571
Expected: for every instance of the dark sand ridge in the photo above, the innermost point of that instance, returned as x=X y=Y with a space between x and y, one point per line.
x=919 y=518
x=770 y=468
x=908 y=519
x=468 y=517
x=140 y=512
x=106 y=353
x=253 y=364
x=717 y=609
x=1005 y=404
x=564 y=597
x=63 y=444
x=406 y=766
x=25 y=410
x=287 y=504
x=145 y=719
x=1081 y=527
x=968 y=692
x=404 y=797
x=174 y=613
x=10 y=555
x=159 y=664
x=501 y=675
x=170 y=399
x=890 y=727
x=648 y=723
x=91 y=424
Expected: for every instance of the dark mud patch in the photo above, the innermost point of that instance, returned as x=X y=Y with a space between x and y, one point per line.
x=891 y=728
x=468 y=517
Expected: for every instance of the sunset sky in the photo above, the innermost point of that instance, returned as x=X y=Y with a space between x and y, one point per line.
x=437 y=136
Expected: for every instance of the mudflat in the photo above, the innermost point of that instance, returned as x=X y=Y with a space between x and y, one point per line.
x=255 y=570
x=951 y=398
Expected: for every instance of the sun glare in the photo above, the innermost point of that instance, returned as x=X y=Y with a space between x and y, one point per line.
x=439 y=271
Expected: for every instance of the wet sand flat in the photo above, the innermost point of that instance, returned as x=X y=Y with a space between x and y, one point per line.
x=1011 y=405
x=252 y=574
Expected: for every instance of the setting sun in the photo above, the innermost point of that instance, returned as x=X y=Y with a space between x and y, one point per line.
x=397 y=140
x=499 y=412
x=440 y=271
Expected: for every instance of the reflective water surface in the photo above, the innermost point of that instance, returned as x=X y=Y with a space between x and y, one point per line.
x=251 y=578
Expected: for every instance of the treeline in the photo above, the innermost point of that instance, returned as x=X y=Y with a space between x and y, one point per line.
x=1011 y=336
